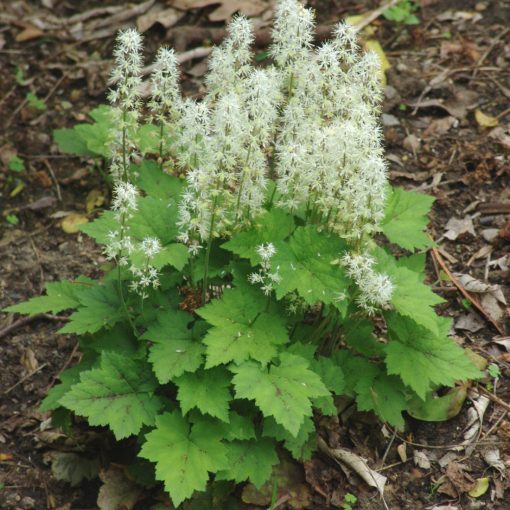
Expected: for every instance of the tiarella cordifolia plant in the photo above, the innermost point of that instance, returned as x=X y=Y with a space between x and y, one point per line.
x=245 y=279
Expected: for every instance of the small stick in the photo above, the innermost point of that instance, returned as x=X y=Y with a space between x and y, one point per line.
x=23 y=379
x=373 y=15
x=27 y=320
x=494 y=398
x=486 y=54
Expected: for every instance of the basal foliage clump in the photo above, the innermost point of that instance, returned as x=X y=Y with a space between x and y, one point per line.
x=245 y=289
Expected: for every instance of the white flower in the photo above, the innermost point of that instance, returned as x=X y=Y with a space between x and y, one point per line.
x=125 y=198
x=293 y=33
x=230 y=61
x=150 y=246
x=264 y=276
x=376 y=289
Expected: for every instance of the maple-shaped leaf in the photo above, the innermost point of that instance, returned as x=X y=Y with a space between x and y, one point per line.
x=59 y=296
x=250 y=460
x=272 y=226
x=99 y=307
x=284 y=391
x=406 y=218
x=383 y=394
x=207 y=390
x=413 y=298
x=176 y=349
x=308 y=263
x=242 y=328
x=302 y=446
x=422 y=359
x=119 y=394
x=184 y=455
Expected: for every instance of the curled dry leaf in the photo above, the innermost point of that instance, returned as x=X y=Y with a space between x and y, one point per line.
x=491 y=297
x=492 y=456
x=356 y=463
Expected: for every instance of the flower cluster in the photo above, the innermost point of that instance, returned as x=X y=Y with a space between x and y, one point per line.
x=146 y=275
x=265 y=276
x=310 y=122
x=125 y=100
x=375 y=289
x=166 y=98
x=124 y=205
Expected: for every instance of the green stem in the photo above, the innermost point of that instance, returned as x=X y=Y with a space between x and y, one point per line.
x=208 y=251
x=123 y=301
x=161 y=146
x=124 y=148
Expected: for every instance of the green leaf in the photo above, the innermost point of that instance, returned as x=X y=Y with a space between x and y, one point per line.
x=16 y=164
x=184 y=457
x=68 y=378
x=275 y=225
x=284 y=391
x=99 y=307
x=207 y=390
x=35 y=102
x=359 y=335
x=424 y=360
x=158 y=184
x=413 y=298
x=307 y=264
x=147 y=138
x=435 y=409
x=242 y=328
x=406 y=219
x=239 y=427
x=70 y=143
x=59 y=296
x=250 y=460
x=175 y=350
x=118 y=394
x=302 y=446
x=383 y=394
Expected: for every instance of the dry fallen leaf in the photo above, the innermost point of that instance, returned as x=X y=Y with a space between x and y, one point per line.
x=421 y=460
x=457 y=227
x=492 y=456
x=468 y=322
x=485 y=120
x=29 y=361
x=28 y=34
x=491 y=296
x=117 y=491
x=402 y=452
x=71 y=223
x=95 y=198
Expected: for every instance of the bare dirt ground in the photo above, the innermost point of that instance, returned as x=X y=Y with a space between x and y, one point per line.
x=447 y=126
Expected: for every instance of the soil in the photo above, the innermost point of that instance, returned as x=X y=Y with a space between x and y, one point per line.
x=454 y=62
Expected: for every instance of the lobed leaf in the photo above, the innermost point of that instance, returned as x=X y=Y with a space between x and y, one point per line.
x=424 y=360
x=242 y=328
x=285 y=391
x=175 y=350
x=184 y=456
x=307 y=264
x=118 y=394
x=406 y=219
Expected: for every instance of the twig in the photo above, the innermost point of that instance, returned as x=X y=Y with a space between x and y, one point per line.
x=373 y=15
x=463 y=291
x=23 y=379
x=27 y=320
x=489 y=50
x=494 y=398
x=64 y=366
x=53 y=176
x=383 y=460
